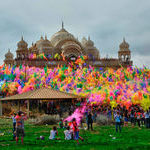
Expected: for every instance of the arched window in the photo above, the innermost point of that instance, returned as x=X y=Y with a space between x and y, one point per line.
x=122 y=57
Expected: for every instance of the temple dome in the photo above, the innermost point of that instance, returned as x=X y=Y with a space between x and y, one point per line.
x=9 y=54
x=84 y=41
x=45 y=43
x=61 y=36
x=91 y=50
x=22 y=43
x=89 y=43
x=33 y=48
x=39 y=41
x=124 y=45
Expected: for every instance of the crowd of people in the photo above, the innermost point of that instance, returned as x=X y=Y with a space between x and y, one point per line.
x=135 y=115
x=71 y=132
x=120 y=115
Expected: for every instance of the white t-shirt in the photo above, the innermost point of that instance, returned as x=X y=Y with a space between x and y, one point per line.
x=146 y=115
x=14 y=119
x=67 y=135
x=52 y=134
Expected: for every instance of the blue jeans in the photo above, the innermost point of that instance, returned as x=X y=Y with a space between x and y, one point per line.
x=118 y=125
x=14 y=129
x=76 y=135
x=147 y=122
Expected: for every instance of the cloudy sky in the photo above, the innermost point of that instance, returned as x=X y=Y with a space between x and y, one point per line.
x=106 y=21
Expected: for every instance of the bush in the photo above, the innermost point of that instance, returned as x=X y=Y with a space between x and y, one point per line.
x=104 y=120
x=6 y=109
x=46 y=119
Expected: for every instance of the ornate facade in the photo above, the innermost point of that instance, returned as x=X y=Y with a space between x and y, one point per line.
x=63 y=42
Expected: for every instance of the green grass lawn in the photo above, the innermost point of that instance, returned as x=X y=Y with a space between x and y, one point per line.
x=101 y=138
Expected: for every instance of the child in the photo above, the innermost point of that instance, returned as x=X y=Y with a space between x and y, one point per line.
x=61 y=124
x=76 y=131
x=66 y=124
x=68 y=134
x=53 y=133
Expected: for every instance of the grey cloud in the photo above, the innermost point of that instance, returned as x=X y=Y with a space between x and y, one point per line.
x=107 y=22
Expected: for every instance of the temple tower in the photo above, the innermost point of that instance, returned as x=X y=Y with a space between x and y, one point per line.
x=124 y=53
x=91 y=50
x=22 y=50
x=9 y=60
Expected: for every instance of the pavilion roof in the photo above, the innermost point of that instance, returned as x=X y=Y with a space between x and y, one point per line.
x=42 y=94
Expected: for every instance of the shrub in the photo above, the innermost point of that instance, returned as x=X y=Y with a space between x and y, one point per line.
x=104 y=120
x=6 y=109
x=46 y=119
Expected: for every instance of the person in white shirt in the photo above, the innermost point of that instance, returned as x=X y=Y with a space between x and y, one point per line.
x=53 y=133
x=68 y=134
x=146 y=119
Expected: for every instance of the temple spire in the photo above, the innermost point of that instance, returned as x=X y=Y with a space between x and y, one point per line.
x=123 y=39
x=22 y=38
x=45 y=37
x=62 y=25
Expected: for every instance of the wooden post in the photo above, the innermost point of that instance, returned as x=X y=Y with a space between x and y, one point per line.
x=19 y=105
x=1 y=108
x=38 y=105
x=28 y=108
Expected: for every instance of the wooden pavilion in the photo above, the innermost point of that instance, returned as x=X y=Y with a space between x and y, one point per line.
x=39 y=94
